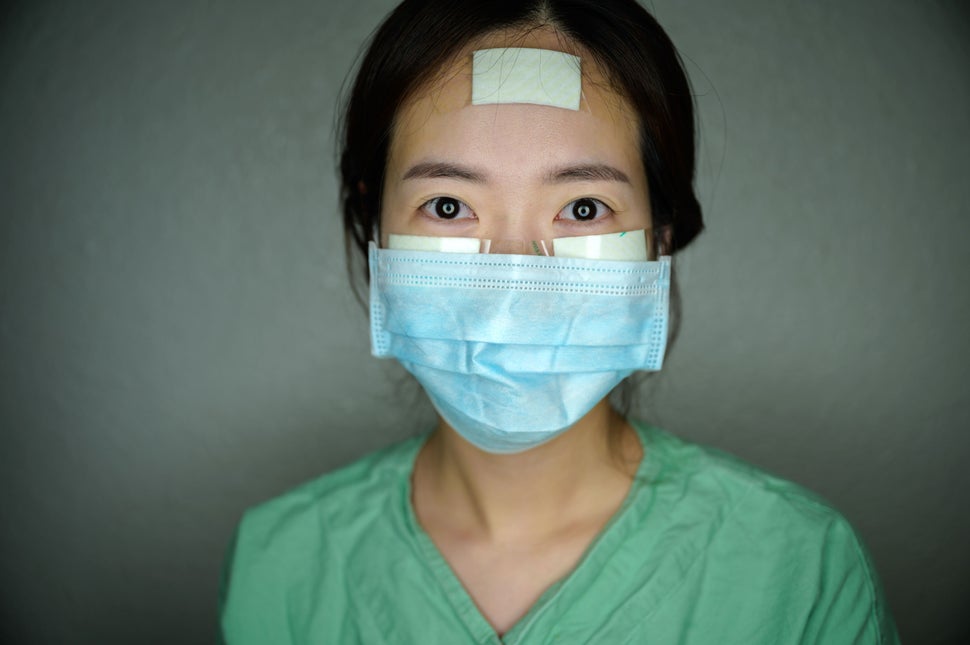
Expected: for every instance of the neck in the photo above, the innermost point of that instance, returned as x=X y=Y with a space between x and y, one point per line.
x=529 y=495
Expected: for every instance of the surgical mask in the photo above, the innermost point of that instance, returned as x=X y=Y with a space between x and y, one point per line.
x=513 y=350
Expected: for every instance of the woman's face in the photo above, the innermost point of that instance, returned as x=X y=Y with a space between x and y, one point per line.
x=514 y=172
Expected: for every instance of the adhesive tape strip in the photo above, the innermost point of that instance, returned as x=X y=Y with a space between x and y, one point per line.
x=521 y=75
x=431 y=243
x=629 y=245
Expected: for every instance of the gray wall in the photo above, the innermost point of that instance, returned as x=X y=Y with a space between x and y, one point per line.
x=177 y=340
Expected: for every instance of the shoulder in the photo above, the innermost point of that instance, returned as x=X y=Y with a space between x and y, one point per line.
x=736 y=490
x=344 y=501
x=772 y=539
x=298 y=547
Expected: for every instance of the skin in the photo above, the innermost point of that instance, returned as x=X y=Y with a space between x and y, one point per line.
x=512 y=525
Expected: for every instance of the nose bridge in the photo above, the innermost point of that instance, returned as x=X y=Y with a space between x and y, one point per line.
x=516 y=227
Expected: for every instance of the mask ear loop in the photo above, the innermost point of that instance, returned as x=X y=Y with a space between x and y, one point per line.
x=375 y=233
x=661 y=241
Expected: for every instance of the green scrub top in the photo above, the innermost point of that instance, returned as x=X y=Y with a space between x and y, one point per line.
x=705 y=549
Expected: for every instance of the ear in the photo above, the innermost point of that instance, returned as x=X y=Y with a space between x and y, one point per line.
x=362 y=196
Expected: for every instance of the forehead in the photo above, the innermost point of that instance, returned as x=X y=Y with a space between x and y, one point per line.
x=440 y=118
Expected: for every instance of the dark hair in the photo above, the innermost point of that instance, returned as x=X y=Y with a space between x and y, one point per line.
x=420 y=37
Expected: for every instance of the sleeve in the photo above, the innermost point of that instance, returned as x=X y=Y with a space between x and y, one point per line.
x=224 y=585
x=850 y=608
x=252 y=598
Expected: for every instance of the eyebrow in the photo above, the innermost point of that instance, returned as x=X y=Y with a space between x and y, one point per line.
x=586 y=172
x=565 y=174
x=440 y=169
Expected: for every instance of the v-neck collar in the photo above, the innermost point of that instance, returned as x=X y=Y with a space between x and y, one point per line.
x=562 y=592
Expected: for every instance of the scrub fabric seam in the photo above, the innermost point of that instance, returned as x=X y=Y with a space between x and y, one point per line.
x=646 y=471
x=471 y=617
x=869 y=573
x=635 y=633
x=873 y=596
x=462 y=601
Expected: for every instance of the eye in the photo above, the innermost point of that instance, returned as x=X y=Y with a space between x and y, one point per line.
x=446 y=208
x=584 y=210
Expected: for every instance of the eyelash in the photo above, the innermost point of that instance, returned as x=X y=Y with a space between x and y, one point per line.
x=429 y=208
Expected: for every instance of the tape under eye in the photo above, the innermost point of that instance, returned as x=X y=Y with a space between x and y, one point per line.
x=431 y=243
x=626 y=246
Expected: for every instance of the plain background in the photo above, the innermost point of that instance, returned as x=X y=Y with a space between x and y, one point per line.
x=179 y=341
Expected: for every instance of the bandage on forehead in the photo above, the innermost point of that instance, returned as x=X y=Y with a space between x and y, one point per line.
x=628 y=245
x=522 y=75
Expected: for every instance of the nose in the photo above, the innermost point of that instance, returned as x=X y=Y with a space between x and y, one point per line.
x=519 y=233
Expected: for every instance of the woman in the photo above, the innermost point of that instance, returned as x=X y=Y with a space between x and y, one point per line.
x=479 y=139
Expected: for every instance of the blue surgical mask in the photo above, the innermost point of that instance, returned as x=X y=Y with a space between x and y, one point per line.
x=513 y=350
